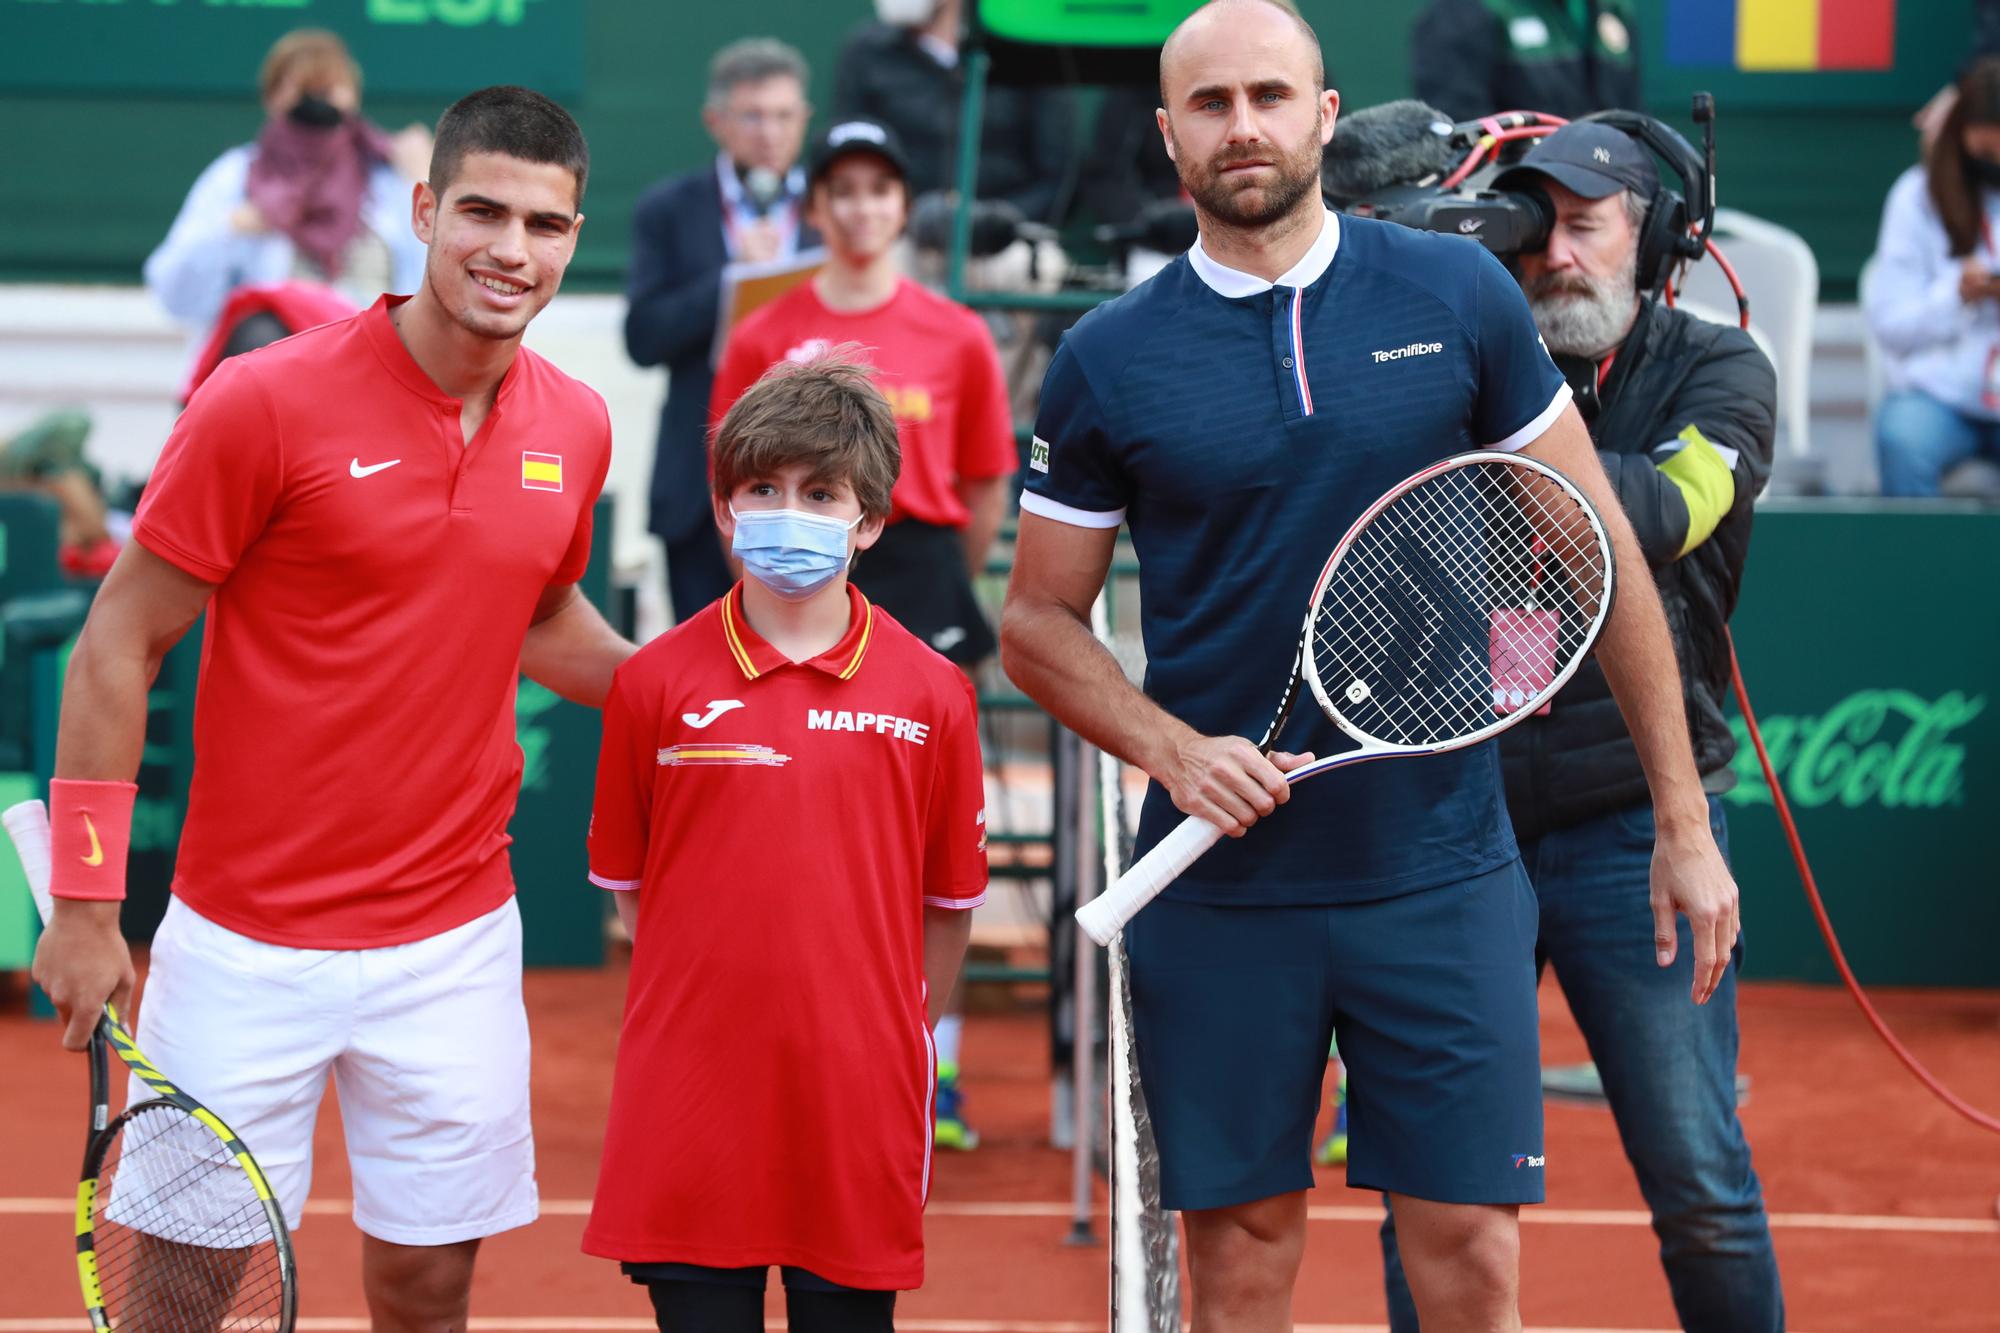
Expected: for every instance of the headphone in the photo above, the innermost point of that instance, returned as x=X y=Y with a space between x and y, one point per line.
x=1667 y=238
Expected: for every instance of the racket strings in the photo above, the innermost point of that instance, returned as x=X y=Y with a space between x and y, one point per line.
x=1464 y=599
x=184 y=1243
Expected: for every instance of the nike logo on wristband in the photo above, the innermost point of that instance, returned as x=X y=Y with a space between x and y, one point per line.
x=96 y=857
x=354 y=468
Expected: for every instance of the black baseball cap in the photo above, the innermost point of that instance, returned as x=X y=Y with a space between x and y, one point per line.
x=1590 y=159
x=849 y=137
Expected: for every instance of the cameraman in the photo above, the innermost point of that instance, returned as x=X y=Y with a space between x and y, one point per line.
x=1683 y=425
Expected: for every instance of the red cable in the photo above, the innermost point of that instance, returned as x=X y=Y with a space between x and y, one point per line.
x=1484 y=149
x=1735 y=284
x=1784 y=808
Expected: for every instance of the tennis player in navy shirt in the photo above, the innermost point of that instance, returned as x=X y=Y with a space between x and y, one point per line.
x=1237 y=412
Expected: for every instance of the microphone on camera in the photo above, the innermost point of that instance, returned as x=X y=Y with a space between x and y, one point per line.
x=996 y=224
x=1397 y=143
x=1166 y=225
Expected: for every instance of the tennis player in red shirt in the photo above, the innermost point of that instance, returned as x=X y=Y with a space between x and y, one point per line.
x=384 y=519
x=790 y=816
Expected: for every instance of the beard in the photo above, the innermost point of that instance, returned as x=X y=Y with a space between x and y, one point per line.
x=1244 y=203
x=1584 y=316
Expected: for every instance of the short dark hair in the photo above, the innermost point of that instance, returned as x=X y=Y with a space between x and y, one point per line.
x=825 y=413
x=516 y=122
x=753 y=60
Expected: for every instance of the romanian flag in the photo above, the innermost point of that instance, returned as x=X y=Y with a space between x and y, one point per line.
x=541 y=472
x=1779 y=36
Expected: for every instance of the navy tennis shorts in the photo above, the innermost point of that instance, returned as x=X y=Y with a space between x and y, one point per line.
x=1432 y=995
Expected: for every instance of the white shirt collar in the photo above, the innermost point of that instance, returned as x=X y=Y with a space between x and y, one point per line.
x=1226 y=281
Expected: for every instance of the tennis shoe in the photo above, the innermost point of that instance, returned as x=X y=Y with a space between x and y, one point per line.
x=950 y=1129
x=1332 y=1150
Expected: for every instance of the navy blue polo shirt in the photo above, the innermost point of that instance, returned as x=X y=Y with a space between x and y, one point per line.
x=1238 y=427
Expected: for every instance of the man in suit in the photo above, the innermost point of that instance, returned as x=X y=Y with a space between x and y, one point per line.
x=746 y=207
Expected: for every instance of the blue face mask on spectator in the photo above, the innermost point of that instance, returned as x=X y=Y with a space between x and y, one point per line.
x=789 y=551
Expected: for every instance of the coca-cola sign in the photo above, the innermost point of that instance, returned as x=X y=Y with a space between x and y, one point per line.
x=1890 y=748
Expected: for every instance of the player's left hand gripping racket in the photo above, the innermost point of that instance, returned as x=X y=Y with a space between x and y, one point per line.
x=176 y=1229
x=1456 y=605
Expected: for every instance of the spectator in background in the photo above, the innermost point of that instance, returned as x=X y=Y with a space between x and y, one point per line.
x=1566 y=57
x=323 y=195
x=903 y=72
x=744 y=207
x=936 y=364
x=1933 y=298
x=47 y=456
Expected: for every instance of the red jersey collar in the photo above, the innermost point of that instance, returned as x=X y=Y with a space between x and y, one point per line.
x=388 y=345
x=755 y=656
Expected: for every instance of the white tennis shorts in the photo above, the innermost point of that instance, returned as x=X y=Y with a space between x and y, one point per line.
x=428 y=1047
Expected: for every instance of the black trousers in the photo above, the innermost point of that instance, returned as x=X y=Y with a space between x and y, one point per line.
x=731 y=1300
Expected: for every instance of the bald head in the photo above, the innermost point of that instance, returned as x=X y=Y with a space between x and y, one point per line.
x=1272 y=26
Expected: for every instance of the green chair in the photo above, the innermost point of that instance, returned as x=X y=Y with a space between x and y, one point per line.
x=39 y=612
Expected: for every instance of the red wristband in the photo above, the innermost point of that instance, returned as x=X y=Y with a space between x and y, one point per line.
x=90 y=830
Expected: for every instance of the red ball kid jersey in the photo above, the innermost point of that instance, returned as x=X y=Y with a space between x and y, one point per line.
x=935 y=363
x=355 y=763
x=784 y=825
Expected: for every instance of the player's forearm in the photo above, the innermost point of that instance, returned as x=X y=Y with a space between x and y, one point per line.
x=102 y=731
x=574 y=652
x=947 y=931
x=626 y=901
x=1049 y=652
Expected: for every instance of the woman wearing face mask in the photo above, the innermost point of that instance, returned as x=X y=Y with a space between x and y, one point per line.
x=321 y=196
x=1933 y=298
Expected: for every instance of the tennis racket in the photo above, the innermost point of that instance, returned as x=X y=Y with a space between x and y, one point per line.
x=1456 y=605
x=176 y=1229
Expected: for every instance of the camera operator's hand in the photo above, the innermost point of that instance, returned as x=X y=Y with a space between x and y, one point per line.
x=1976 y=282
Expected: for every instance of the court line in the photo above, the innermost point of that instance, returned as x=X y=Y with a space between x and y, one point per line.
x=560 y=1324
x=1535 y=1215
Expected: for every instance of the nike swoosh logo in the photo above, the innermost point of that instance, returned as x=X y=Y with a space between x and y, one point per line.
x=716 y=708
x=96 y=857
x=354 y=469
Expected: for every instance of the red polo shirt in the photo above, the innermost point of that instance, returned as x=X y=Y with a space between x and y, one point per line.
x=355 y=763
x=935 y=363
x=784 y=825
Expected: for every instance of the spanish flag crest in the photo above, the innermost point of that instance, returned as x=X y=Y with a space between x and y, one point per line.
x=541 y=472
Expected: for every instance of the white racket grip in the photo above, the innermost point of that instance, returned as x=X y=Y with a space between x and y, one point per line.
x=1105 y=915
x=28 y=825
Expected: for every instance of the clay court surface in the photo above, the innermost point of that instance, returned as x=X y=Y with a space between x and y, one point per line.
x=1882 y=1199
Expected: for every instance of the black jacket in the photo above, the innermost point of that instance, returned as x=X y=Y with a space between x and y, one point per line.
x=1675 y=372
x=1474 y=57
x=1027 y=140
x=671 y=292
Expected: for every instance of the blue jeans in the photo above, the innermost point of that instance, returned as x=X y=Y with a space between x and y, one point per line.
x=1918 y=439
x=1669 y=1071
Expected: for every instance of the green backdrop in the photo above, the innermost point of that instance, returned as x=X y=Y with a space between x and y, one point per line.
x=97 y=157
x=1871 y=653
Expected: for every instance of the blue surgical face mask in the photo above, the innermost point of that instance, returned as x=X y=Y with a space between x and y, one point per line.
x=789 y=551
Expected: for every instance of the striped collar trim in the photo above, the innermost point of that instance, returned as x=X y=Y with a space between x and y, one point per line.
x=1235 y=283
x=754 y=656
